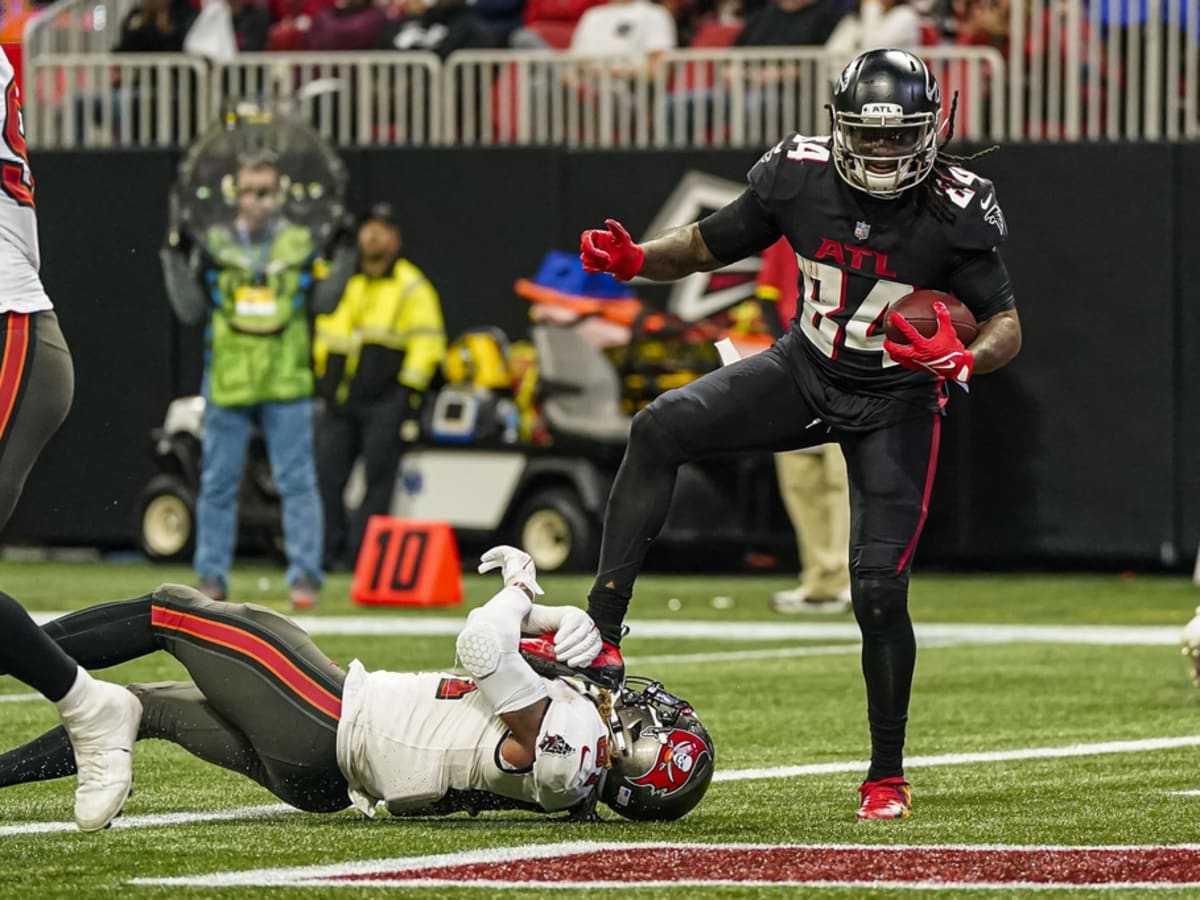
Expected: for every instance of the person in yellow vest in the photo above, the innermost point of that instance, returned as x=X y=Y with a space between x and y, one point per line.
x=373 y=356
x=260 y=277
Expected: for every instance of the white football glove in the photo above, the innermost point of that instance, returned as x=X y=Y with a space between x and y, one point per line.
x=516 y=567
x=576 y=637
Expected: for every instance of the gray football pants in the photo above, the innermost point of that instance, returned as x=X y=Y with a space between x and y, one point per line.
x=37 y=382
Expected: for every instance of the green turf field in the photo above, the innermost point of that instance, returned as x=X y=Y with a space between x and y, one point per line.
x=1036 y=738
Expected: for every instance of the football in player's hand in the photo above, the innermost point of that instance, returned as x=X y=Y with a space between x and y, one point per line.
x=917 y=309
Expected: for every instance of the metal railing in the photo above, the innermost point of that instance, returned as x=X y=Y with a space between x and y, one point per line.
x=76 y=26
x=1104 y=70
x=116 y=100
x=1073 y=70
x=713 y=98
x=350 y=98
x=710 y=98
x=140 y=100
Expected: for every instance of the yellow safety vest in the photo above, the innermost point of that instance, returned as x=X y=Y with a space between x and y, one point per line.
x=400 y=311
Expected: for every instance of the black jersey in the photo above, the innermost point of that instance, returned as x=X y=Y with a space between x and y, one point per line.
x=859 y=254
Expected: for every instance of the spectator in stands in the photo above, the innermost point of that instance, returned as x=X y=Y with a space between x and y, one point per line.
x=256 y=280
x=439 y=26
x=550 y=23
x=291 y=20
x=781 y=23
x=374 y=356
x=791 y=23
x=250 y=25
x=637 y=31
x=346 y=25
x=156 y=26
x=983 y=23
x=688 y=15
x=503 y=16
x=877 y=24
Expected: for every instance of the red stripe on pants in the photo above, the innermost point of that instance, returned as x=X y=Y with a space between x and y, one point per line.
x=930 y=471
x=253 y=647
x=16 y=351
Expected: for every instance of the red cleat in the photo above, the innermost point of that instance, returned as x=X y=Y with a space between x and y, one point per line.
x=606 y=670
x=888 y=798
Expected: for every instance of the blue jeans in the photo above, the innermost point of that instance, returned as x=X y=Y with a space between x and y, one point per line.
x=288 y=431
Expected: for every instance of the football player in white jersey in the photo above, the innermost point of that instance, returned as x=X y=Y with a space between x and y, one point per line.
x=266 y=702
x=37 y=382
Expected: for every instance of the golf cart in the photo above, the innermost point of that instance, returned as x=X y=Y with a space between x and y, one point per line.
x=471 y=468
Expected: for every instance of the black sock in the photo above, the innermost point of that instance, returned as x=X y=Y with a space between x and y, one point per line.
x=46 y=658
x=43 y=758
x=888 y=658
x=607 y=609
x=28 y=654
x=105 y=635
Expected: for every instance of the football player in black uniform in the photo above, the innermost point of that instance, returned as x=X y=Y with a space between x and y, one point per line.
x=872 y=211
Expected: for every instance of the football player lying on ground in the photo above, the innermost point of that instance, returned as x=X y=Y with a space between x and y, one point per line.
x=267 y=703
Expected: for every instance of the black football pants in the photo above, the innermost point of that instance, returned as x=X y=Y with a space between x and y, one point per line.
x=755 y=405
x=264 y=700
x=343 y=434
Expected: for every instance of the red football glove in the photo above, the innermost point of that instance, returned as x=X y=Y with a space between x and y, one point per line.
x=943 y=354
x=610 y=251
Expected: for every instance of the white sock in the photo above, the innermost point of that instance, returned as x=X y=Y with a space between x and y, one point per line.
x=78 y=695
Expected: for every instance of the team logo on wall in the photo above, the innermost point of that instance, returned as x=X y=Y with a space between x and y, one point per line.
x=704 y=293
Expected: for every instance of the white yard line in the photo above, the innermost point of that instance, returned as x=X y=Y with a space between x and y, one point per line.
x=959 y=759
x=774 y=653
x=156 y=821
x=829 y=768
x=972 y=633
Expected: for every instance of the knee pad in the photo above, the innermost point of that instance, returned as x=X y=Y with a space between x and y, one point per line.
x=648 y=434
x=178 y=593
x=879 y=598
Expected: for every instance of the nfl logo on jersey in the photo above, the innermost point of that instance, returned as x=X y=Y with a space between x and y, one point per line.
x=861 y=230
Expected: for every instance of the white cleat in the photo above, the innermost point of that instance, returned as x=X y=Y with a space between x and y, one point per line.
x=102 y=734
x=798 y=600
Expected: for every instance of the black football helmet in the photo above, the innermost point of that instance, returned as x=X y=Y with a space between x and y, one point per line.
x=662 y=757
x=887 y=115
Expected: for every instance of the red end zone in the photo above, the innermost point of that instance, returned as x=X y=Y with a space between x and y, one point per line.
x=595 y=865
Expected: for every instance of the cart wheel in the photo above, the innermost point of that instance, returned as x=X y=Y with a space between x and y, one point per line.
x=553 y=528
x=167 y=520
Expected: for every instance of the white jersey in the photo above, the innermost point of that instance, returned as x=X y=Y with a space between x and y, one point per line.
x=406 y=738
x=21 y=287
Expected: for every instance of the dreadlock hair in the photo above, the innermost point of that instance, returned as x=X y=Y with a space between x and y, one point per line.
x=931 y=193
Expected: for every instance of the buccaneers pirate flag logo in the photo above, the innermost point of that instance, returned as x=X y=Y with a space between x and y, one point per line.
x=677 y=759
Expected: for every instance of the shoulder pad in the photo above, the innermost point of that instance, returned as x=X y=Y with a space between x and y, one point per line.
x=571 y=751
x=783 y=169
x=979 y=223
